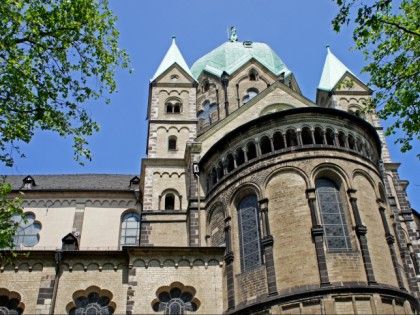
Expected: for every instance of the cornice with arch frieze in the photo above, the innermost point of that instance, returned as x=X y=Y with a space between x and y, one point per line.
x=91 y=202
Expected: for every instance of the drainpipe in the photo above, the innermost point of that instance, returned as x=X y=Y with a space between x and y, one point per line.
x=58 y=259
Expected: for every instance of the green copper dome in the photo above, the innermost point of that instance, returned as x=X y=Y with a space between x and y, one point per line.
x=232 y=55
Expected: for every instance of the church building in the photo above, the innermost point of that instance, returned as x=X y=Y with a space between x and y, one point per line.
x=252 y=199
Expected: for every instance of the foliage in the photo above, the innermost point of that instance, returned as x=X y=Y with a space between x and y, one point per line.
x=55 y=55
x=388 y=33
x=9 y=207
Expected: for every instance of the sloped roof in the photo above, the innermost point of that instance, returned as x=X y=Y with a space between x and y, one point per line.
x=332 y=72
x=232 y=55
x=172 y=56
x=90 y=182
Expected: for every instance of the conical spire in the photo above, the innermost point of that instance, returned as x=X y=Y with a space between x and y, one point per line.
x=172 y=56
x=333 y=71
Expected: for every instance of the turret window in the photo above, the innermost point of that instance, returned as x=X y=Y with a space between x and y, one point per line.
x=172 y=143
x=253 y=75
x=173 y=106
x=170 y=201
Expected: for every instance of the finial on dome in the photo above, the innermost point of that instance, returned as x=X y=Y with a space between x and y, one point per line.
x=233 y=35
x=173 y=38
x=328 y=47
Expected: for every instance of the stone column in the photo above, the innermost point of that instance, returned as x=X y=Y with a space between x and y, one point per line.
x=299 y=138
x=284 y=139
x=272 y=144
x=228 y=258
x=361 y=231
x=258 y=148
x=235 y=164
x=390 y=240
x=313 y=136
x=317 y=232
x=267 y=243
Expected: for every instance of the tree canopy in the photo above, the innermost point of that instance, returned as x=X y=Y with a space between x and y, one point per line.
x=55 y=55
x=388 y=33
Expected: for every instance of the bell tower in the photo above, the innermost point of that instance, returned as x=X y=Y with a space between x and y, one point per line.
x=172 y=124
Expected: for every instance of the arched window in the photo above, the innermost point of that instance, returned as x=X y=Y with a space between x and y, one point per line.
x=251 y=93
x=93 y=303
x=213 y=176
x=329 y=134
x=306 y=136
x=173 y=106
x=229 y=163
x=252 y=151
x=206 y=85
x=291 y=138
x=130 y=229
x=27 y=232
x=332 y=215
x=172 y=143
x=219 y=170
x=253 y=75
x=319 y=136
x=240 y=157
x=352 y=142
x=249 y=233
x=176 y=301
x=278 y=141
x=342 y=139
x=170 y=201
x=265 y=145
x=10 y=303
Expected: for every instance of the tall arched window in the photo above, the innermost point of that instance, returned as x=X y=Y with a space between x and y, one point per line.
x=332 y=214
x=249 y=233
x=172 y=143
x=130 y=229
x=170 y=202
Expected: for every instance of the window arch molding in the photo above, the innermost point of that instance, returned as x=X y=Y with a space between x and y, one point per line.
x=167 y=203
x=130 y=222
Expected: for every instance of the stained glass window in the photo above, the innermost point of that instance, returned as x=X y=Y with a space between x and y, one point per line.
x=93 y=304
x=249 y=233
x=130 y=229
x=10 y=306
x=175 y=302
x=27 y=232
x=332 y=215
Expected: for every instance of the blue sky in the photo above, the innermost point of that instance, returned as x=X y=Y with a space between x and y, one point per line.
x=297 y=30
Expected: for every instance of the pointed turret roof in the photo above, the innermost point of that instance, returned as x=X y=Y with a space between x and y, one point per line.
x=172 y=56
x=333 y=71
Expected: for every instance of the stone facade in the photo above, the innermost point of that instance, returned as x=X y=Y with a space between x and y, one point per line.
x=252 y=200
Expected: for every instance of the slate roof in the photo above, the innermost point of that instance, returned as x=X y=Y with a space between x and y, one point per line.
x=78 y=182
